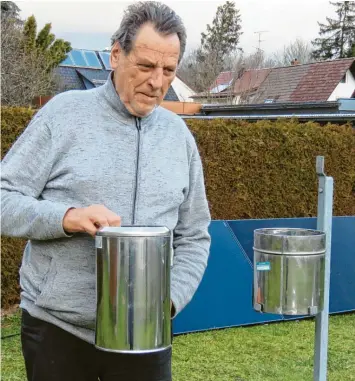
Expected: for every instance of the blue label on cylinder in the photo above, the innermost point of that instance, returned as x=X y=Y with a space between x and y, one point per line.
x=263 y=266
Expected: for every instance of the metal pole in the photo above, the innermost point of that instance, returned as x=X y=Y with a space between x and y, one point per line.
x=324 y=223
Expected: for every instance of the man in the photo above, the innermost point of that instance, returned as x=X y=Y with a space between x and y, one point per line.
x=97 y=158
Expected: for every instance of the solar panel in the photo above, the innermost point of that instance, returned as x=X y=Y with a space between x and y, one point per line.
x=78 y=58
x=92 y=60
x=68 y=61
x=105 y=59
x=86 y=58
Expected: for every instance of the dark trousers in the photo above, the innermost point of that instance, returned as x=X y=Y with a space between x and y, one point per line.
x=52 y=354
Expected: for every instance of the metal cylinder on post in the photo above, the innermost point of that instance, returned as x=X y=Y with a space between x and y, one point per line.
x=133 y=289
x=289 y=268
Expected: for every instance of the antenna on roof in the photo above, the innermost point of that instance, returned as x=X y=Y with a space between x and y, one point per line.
x=260 y=40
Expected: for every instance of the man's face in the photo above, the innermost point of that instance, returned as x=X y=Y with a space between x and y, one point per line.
x=143 y=77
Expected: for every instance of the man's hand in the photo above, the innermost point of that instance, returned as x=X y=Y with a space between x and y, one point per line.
x=89 y=219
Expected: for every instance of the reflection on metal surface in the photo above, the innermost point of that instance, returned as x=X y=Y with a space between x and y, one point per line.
x=289 y=271
x=133 y=290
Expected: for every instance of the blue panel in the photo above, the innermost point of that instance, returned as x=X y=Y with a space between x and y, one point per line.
x=92 y=60
x=224 y=298
x=106 y=59
x=78 y=58
x=342 y=276
x=68 y=61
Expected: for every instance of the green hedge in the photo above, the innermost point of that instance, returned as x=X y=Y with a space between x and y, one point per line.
x=13 y=121
x=267 y=169
x=252 y=170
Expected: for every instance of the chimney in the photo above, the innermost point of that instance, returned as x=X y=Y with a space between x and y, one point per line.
x=295 y=62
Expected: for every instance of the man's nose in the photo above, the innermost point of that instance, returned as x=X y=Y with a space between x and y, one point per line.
x=156 y=79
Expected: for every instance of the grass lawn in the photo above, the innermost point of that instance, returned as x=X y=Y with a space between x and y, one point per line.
x=275 y=352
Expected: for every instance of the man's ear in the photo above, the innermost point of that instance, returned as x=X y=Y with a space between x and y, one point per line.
x=116 y=52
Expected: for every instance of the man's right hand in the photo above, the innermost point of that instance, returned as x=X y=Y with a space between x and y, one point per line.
x=89 y=219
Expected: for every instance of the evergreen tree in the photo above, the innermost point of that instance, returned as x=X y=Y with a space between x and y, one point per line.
x=337 y=37
x=28 y=59
x=223 y=36
x=52 y=50
x=29 y=34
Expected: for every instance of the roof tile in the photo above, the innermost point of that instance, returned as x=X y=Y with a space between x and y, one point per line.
x=303 y=83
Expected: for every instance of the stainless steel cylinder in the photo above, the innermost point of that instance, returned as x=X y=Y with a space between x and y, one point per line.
x=289 y=271
x=133 y=289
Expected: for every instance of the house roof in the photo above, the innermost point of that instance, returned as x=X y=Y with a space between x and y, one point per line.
x=313 y=86
x=81 y=79
x=297 y=83
x=224 y=78
x=304 y=83
x=171 y=95
x=69 y=78
x=250 y=80
x=281 y=82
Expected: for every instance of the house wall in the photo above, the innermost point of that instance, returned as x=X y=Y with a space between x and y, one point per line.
x=182 y=90
x=237 y=100
x=186 y=108
x=344 y=90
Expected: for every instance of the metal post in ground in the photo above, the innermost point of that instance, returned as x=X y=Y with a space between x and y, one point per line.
x=324 y=223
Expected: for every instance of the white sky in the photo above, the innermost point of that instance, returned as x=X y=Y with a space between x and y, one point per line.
x=90 y=24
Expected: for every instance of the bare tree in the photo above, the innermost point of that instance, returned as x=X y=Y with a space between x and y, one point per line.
x=23 y=75
x=27 y=70
x=299 y=50
x=199 y=74
x=188 y=68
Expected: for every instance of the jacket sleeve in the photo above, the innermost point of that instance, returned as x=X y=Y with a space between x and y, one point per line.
x=191 y=239
x=25 y=171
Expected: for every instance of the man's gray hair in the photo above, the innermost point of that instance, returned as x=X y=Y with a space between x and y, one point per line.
x=164 y=19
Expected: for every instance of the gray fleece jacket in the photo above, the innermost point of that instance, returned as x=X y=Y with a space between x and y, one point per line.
x=84 y=148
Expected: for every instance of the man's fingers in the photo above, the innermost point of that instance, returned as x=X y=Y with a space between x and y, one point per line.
x=89 y=227
x=114 y=220
x=100 y=221
x=108 y=218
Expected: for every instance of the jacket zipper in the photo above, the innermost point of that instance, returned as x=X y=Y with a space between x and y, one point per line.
x=131 y=276
x=139 y=128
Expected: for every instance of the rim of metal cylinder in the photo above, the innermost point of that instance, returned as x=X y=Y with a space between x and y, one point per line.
x=289 y=241
x=134 y=231
x=282 y=231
